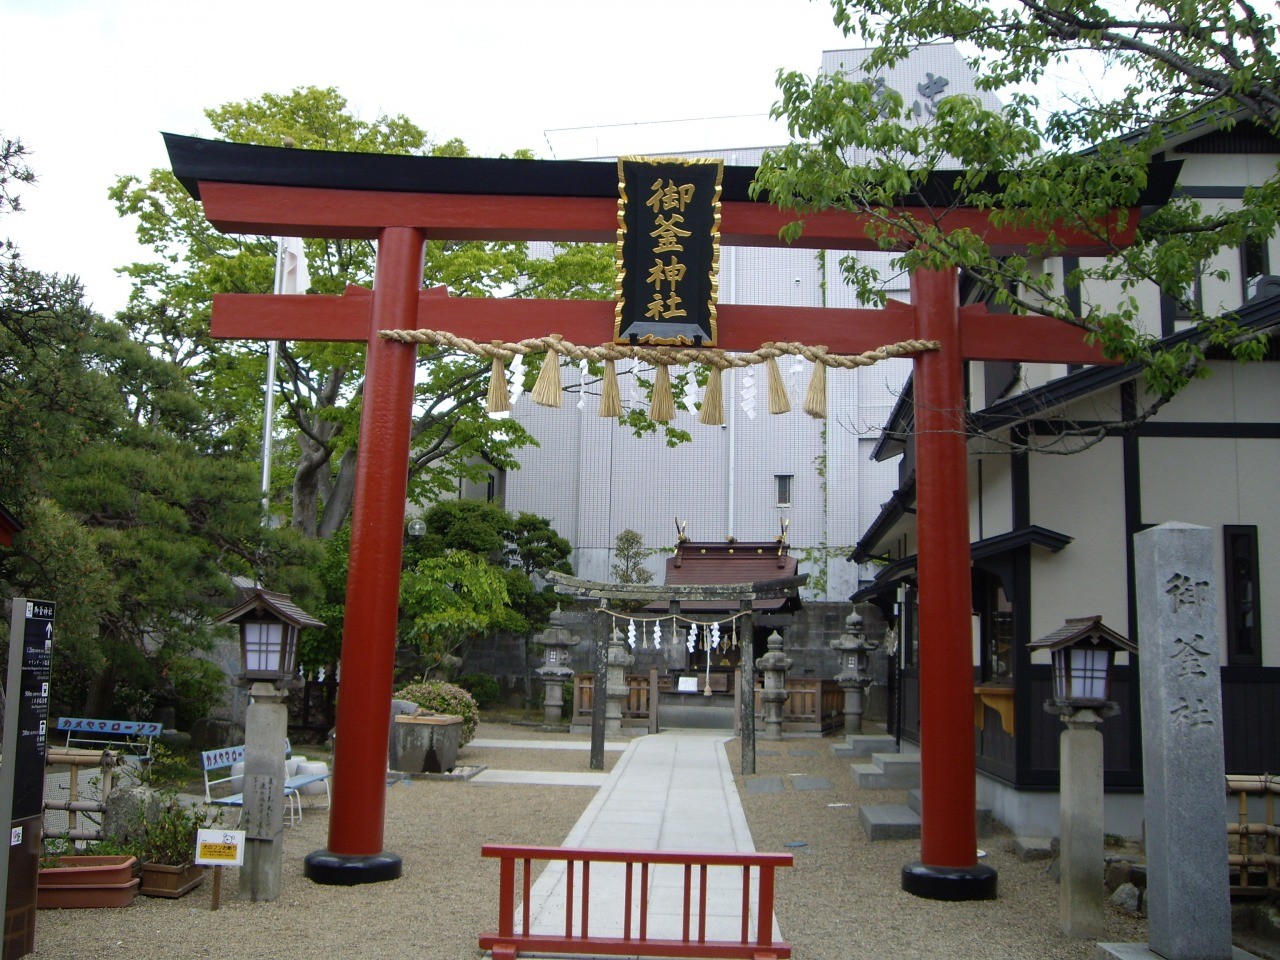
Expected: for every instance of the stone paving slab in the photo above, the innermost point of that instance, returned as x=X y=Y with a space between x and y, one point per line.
x=547 y=777
x=764 y=785
x=810 y=783
x=614 y=746
x=889 y=821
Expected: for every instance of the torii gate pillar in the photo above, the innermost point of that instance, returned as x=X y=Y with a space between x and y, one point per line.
x=946 y=869
x=373 y=577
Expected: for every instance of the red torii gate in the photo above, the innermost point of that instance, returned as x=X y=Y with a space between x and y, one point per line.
x=401 y=202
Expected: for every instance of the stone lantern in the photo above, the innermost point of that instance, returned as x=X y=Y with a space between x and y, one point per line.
x=555 y=670
x=619 y=658
x=854 y=649
x=1083 y=651
x=774 y=665
x=269 y=624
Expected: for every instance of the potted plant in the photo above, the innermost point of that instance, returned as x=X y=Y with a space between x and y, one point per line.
x=167 y=848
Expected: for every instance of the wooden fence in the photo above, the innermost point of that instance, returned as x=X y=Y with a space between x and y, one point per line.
x=1255 y=859
x=813 y=706
x=636 y=938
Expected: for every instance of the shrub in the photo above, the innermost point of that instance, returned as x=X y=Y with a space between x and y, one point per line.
x=440 y=697
x=171 y=837
x=481 y=686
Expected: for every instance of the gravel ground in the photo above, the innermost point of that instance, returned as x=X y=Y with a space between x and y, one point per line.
x=841 y=901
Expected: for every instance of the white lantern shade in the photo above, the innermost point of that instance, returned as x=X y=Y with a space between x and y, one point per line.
x=269 y=649
x=1082 y=674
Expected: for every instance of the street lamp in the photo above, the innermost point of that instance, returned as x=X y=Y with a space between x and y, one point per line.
x=1083 y=651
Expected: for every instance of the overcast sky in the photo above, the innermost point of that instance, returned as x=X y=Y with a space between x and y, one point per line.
x=92 y=83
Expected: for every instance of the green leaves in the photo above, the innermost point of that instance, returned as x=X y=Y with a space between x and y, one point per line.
x=1091 y=93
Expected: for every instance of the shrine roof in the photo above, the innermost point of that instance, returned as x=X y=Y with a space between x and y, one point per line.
x=735 y=561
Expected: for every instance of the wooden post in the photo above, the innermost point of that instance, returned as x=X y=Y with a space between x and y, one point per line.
x=600 y=687
x=653 y=699
x=747 y=687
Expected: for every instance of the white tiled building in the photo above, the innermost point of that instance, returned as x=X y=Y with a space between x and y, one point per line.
x=593 y=479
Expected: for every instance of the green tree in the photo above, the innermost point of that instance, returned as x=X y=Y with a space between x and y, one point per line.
x=1169 y=68
x=136 y=513
x=520 y=546
x=448 y=600
x=467 y=576
x=628 y=548
x=320 y=384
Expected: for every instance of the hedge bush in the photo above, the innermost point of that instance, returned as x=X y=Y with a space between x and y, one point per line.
x=483 y=687
x=440 y=697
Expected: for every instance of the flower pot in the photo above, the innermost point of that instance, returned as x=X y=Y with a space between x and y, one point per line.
x=166 y=880
x=86 y=882
x=79 y=871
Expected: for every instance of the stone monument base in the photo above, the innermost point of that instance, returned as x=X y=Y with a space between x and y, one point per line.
x=1140 y=951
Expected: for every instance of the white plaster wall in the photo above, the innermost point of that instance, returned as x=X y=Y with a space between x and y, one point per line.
x=1087 y=576
x=1222 y=483
x=996 y=498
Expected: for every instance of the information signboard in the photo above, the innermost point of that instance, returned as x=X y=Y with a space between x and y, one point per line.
x=220 y=848
x=26 y=721
x=32 y=700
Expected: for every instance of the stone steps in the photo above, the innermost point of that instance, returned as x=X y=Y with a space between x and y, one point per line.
x=858 y=746
x=888 y=771
x=896 y=821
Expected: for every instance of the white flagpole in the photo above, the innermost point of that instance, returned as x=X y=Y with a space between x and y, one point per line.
x=290 y=278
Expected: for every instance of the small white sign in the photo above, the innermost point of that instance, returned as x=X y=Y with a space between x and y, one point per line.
x=15 y=837
x=687 y=685
x=220 y=848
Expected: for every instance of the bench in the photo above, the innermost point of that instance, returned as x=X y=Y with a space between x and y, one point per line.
x=130 y=738
x=224 y=759
x=508 y=943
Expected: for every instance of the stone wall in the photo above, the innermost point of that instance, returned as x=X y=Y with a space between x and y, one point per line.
x=806 y=637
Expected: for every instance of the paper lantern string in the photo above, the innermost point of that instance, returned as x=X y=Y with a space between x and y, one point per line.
x=546 y=390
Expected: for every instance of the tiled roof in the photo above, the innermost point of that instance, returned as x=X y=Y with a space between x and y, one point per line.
x=730 y=562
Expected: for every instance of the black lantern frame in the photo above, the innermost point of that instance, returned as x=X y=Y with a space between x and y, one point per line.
x=1084 y=651
x=269 y=626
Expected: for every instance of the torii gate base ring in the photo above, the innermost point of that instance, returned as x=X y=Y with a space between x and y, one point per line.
x=950 y=883
x=346 y=870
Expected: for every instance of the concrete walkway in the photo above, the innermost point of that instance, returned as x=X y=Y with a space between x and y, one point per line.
x=669 y=791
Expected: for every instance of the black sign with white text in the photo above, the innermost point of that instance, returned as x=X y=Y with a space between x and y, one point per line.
x=32 y=700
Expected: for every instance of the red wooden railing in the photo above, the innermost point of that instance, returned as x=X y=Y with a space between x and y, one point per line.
x=508 y=942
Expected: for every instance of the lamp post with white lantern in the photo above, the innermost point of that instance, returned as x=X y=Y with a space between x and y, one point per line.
x=1083 y=651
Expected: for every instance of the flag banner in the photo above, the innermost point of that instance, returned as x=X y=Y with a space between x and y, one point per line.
x=292 y=275
x=668 y=254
